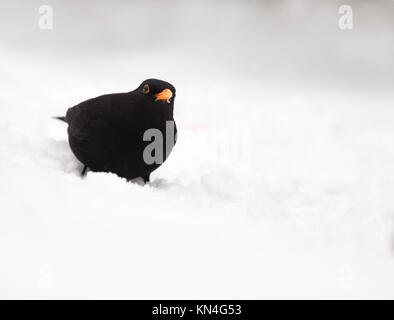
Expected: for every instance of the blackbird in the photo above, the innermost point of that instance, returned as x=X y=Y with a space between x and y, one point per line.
x=109 y=133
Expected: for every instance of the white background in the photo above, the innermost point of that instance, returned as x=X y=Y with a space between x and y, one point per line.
x=281 y=183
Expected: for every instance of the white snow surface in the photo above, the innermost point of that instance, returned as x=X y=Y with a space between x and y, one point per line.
x=275 y=189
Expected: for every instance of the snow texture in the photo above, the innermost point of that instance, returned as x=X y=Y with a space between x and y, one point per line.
x=281 y=182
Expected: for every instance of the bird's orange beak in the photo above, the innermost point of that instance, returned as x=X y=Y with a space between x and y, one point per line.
x=166 y=94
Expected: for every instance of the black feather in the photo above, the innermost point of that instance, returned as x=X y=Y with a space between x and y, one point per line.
x=60 y=118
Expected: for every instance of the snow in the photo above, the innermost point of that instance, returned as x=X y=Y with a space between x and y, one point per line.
x=280 y=185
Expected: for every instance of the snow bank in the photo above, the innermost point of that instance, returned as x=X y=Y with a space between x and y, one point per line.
x=274 y=190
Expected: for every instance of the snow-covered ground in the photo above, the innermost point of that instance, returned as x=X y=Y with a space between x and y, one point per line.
x=281 y=183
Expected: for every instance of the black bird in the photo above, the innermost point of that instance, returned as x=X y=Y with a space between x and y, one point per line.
x=107 y=133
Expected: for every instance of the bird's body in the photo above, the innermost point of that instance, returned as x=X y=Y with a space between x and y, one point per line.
x=107 y=133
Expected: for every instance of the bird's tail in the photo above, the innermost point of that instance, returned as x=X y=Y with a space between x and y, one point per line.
x=61 y=118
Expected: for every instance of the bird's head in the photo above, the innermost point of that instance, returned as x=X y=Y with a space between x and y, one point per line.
x=157 y=91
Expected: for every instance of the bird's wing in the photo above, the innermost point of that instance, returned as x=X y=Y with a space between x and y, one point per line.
x=88 y=121
x=91 y=131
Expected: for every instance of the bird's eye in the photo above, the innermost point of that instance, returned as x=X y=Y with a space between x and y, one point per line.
x=145 y=89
